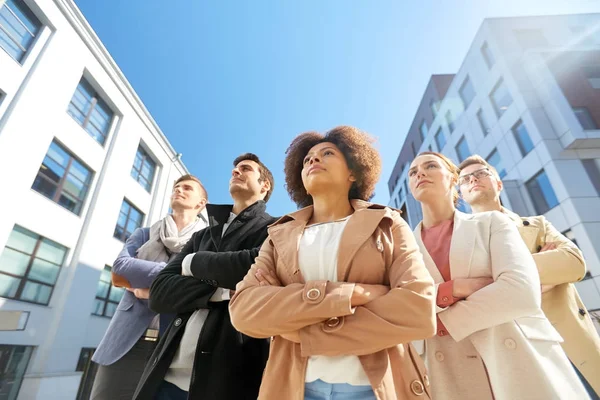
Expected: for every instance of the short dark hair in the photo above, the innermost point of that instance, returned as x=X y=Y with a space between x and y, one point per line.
x=262 y=169
x=356 y=146
x=189 y=177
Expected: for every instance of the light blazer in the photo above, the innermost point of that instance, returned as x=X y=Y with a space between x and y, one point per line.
x=132 y=317
x=377 y=247
x=562 y=304
x=500 y=326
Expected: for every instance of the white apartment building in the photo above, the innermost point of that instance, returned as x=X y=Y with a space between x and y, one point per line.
x=82 y=165
x=526 y=98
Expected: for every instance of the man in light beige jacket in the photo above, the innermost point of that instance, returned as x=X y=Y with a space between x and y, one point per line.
x=560 y=263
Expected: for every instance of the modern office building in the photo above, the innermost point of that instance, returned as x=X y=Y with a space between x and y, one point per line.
x=527 y=99
x=82 y=165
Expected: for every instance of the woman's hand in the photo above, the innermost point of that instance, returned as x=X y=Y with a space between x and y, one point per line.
x=265 y=278
x=464 y=287
x=364 y=293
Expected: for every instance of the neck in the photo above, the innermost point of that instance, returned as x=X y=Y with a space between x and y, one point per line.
x=437 y=212
x=330 y=207
x=183 y=218
x=240 y=204
x=489 y=206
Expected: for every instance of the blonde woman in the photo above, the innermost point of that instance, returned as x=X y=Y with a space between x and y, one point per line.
x=493 y=341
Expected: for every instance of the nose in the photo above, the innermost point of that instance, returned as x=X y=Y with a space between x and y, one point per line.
x=177 y=190
x=473 y=178
x=235 y=172
x=314 y=159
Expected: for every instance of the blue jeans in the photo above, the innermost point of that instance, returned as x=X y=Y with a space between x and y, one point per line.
x=168 y=391
x=319 y=390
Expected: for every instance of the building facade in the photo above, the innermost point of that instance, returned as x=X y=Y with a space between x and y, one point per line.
x=83 y=165
x=527 y=99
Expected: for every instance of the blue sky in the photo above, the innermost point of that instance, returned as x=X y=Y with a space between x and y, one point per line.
x=222 y=78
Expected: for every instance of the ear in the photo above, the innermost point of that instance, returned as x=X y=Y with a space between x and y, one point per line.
x=351 y=178
x=201 y=204
x=266 y=185
x=500 y=185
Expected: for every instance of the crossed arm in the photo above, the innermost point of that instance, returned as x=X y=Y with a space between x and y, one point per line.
x=263 y=309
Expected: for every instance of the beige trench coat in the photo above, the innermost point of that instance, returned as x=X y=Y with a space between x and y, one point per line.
x=562 y=304
x=377 y=247
x=500 y=331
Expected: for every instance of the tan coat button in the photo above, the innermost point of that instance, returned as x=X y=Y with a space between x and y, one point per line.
x=510 y=344
x=332 y=322
x=313 y=294
x=439 y=356
x=379 y=246
x=426 y=380
x=417 y=387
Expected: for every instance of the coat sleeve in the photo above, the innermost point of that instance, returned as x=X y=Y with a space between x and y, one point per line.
x=515 y=292
x=264 y=311
x=224 y=269
x=565 y=264
x=139 y=273
x=404 y=314
x=172 y=292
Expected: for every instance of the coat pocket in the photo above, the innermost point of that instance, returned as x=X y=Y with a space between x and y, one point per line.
x=538 y=328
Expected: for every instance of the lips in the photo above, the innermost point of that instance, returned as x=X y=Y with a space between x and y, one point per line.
x=422 y=182
x=315 y=168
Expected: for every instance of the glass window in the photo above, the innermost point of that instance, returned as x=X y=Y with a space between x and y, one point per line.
x=467 y=92
x=592 y=167
x=423 y=130
x=485 y=128
x=414 y=150
x=462 y=149
x=488 y=56
x=90 y=111
x=495 y=161
x=541 y=193
x=18 y=28
x=440 y=139
x=89 y=369
x=130 y=218
x=29 y=266
x=522 y=137
x=450 y=120
x=500 y=98
x=530 y=38
x=143 y=169
x=13 y=364
x=592 y=73
x=107 y=295
x=434 y=105
x=585 y=118
x=63 y=179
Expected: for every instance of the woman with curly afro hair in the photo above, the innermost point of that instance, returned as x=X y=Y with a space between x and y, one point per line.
x=340 y=284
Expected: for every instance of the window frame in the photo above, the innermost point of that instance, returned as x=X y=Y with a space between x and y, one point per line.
x=485 y=128
x=519 y=139
x=27 y=352
x=440 y=133
x=145 y=156
x=25 y=277
x=131 y=206
x=502 y=173
x=422 y=131
x=462 y=140
x=538 y=210
x=106 y=299
x=486 y=52
x=498 y=109
x=33 y=19
x=449 y=117
x=96 y=101
x=461 y=92
x=578 y=112
x=60 y=186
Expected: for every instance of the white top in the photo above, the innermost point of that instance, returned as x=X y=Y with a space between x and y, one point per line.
x=180 y=371
x=317 y=256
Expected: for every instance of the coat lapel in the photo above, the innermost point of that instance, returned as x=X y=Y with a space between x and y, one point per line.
x=462 y=245
x=431 y=267
x=359 y=229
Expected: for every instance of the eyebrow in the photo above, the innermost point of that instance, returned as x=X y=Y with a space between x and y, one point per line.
x=324 y=148
x=424 y=163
